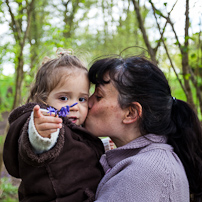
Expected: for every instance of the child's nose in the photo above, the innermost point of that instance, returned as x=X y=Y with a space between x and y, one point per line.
x=74 y=108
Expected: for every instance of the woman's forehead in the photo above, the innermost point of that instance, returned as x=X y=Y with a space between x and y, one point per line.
x=107 y=89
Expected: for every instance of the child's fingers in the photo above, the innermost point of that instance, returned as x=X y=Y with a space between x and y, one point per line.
x=47 y=122
x=45 y=129
x=44 y=123
x=37 y=112
x=49 y=119
x=48 y=126
x=45 y=112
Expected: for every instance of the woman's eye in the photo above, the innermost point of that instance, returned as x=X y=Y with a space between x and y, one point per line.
x=82 y=99
x=63 y=98
x=98 y=97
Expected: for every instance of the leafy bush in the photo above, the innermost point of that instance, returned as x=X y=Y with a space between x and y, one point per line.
x=8 y=192
x=6 y=92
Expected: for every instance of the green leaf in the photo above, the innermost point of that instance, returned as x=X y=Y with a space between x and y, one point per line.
x=187 y=76
x=176 y=43
x=159 y=40
x=158 y=12
x=188 y=37
x=184 y=49
x=193 y=55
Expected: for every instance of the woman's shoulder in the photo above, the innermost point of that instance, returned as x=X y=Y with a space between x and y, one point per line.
x=158 y=156
x=156 y=159
x=156 y=163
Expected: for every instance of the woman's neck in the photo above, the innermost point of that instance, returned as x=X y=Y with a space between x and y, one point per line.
x=129 y=135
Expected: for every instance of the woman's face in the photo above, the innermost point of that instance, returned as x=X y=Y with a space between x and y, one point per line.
x=105 y=114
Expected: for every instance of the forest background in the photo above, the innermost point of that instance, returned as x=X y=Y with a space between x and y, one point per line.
x=169 y=32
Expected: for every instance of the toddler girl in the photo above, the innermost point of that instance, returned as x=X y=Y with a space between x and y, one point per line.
x=56 y=158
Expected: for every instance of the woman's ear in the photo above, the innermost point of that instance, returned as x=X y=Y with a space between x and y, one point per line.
x=133 y=112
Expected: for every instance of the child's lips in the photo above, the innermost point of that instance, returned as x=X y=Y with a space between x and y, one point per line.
x=73 y=119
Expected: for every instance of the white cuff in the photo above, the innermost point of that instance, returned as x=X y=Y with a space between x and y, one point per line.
x=39 y=143
x=108 y=144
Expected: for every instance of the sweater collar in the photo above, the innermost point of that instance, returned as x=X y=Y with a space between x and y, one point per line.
x=112 y=157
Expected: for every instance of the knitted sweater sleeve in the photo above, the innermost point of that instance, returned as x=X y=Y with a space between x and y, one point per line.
x=39 y=143
x=136 y=180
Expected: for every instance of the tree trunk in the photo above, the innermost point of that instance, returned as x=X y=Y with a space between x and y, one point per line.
x=20 y=39
x=18 y=82
x=69 y=20
x=185 y=59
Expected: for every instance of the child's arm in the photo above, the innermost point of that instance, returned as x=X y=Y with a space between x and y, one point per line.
x=43 y=130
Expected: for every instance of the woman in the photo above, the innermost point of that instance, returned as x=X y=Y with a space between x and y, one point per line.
x=158 y=137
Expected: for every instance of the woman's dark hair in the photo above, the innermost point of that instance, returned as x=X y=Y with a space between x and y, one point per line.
x=139 y=80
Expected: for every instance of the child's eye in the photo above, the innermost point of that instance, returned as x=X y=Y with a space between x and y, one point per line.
x=63 y=98
x=82 y=99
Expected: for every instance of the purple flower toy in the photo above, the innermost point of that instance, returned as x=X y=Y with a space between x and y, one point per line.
x=64 y=111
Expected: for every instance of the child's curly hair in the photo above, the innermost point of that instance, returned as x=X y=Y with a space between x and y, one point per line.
x=51 y=73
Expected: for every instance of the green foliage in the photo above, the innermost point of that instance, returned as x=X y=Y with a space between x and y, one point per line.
x=184 y=49
x=70 y=24
x=1 y=140
x=158 y=12
x=187 y=76
x=193 y=55
x=176 y=43
x=6 y=92
x=188 y=37
x=176 y=89
x=9 y=192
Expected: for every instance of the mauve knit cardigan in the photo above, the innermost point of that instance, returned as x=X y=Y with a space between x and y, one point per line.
x=144 y=170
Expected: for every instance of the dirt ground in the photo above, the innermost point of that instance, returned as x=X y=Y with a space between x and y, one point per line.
x=3 y=124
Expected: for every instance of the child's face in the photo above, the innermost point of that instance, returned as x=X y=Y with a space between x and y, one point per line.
x=75 y=88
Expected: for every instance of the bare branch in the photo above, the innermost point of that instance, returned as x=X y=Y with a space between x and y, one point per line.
x=141 y=26
x=14 y=25
x=66 y=3
x=172 y=26
x=167 y=20
x=198 y=92
x=185 y=54
x=29 y=10
x=161 y=33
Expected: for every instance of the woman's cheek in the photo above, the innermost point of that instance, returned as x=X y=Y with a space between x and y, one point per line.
x=95 y=110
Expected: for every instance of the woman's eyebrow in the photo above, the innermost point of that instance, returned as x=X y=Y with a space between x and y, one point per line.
x=101 y=89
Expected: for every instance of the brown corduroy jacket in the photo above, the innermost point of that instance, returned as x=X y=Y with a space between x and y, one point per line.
x=69 y=172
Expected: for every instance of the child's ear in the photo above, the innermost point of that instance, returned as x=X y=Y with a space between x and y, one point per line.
x=133 y=112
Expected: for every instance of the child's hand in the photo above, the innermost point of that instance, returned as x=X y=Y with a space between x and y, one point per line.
x=45 y=124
